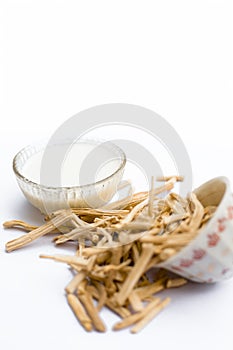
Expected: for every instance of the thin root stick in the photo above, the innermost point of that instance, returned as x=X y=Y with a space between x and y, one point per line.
x=150 y=315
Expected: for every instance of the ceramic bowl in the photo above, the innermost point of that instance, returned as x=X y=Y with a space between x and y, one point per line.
x=209 y=257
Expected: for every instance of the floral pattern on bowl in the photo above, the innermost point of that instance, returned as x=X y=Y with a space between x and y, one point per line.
x=209 y=257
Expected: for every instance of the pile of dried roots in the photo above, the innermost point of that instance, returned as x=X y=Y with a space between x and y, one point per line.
x=116 y=249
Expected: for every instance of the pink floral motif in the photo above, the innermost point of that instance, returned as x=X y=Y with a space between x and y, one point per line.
x=230 y=212
x=221 y=224
x=213 y=239
x=198 y=254
x=210 y=280
x=186 y=262
x=224 y=271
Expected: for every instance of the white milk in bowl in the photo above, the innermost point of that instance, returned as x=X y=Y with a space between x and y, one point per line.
x=62 y=175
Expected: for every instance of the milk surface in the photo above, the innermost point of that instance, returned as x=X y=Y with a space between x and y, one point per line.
x=66 y=165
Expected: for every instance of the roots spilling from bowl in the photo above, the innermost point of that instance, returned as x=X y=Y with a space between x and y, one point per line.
x=117 y=248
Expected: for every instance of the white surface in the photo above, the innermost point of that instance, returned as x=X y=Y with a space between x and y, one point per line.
x=59 y=57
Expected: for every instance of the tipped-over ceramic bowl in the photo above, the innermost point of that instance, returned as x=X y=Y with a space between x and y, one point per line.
x=208 y=257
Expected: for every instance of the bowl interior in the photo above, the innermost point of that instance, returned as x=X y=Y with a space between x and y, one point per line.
x=69 y=165
x=211 y=192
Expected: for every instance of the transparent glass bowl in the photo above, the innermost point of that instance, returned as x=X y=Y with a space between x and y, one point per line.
x=51 y=198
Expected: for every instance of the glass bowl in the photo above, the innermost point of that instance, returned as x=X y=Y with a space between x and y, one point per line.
x=47 y=173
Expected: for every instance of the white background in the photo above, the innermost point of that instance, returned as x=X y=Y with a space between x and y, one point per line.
x=60 y=57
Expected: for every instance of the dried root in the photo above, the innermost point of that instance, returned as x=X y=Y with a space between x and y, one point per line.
x=117 y=247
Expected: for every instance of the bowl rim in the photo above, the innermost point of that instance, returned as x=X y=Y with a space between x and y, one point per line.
x=178 y=255
x=43 y=145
